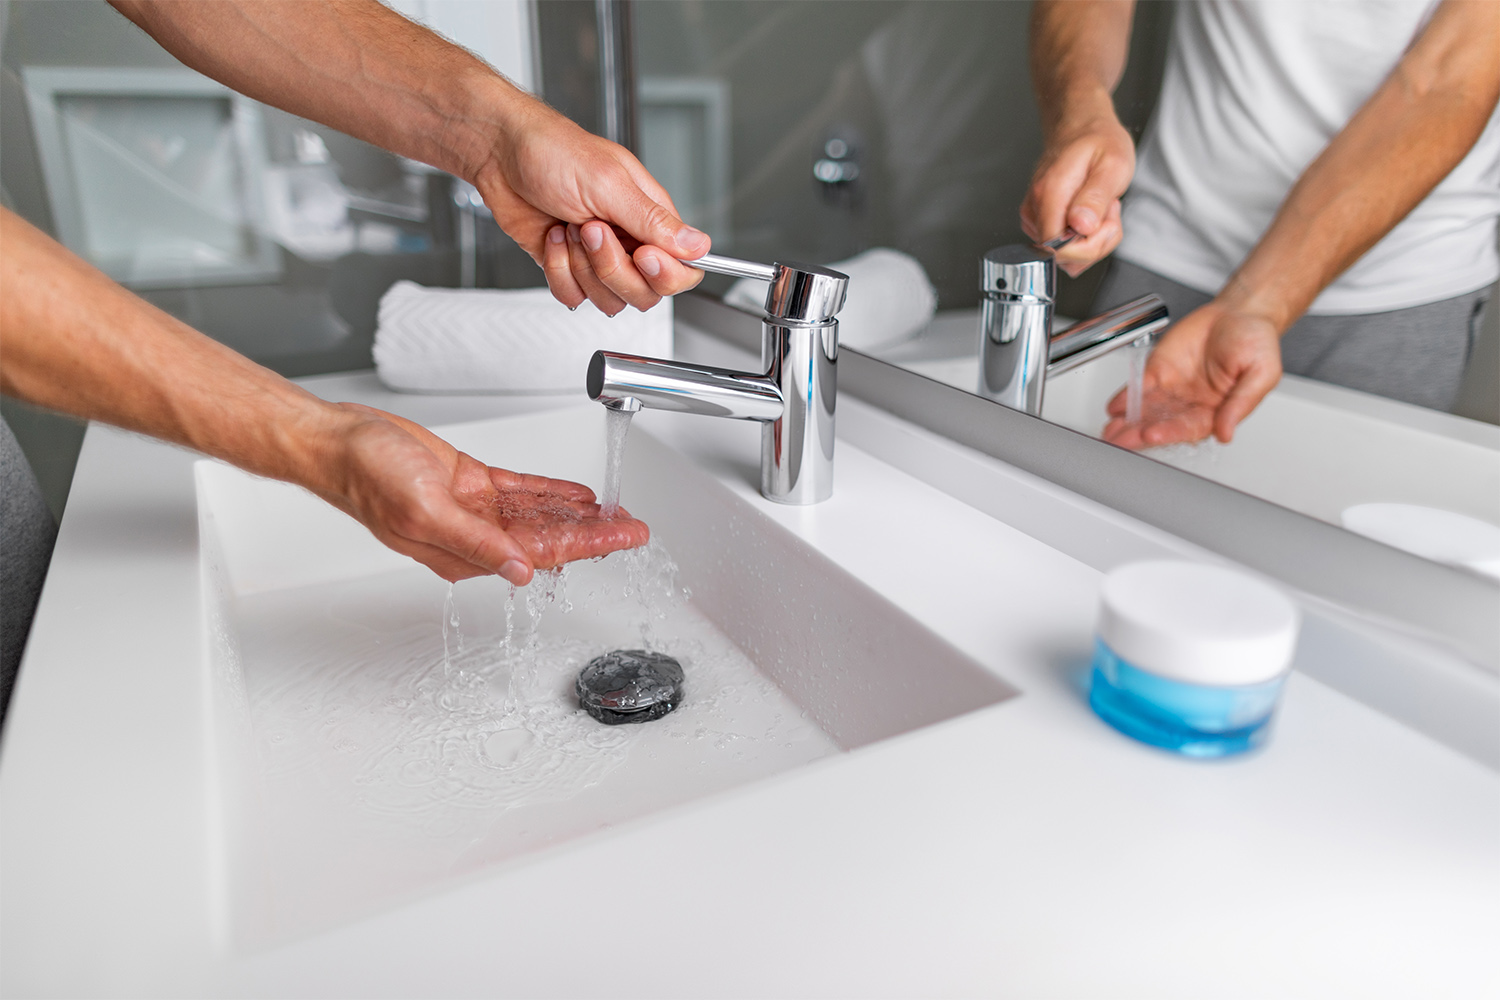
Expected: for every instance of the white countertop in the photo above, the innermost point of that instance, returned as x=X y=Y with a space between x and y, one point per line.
x=1021 y=850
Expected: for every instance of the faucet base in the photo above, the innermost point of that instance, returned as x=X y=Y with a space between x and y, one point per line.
x=796 y=450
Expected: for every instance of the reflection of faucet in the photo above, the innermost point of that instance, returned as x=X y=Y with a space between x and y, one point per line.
x=793 y=400
x=1016 y=348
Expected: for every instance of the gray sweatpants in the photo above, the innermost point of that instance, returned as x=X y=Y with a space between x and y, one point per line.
x=1416 y=355
x=26 y=536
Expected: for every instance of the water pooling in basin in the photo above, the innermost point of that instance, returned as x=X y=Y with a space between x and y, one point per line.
x=404 y=738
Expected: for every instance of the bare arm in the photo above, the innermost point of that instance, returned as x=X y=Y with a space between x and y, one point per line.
x=1078 y=53
x=1406 y=138
x=359 y=67
x=75 y=341
x=1220 y=361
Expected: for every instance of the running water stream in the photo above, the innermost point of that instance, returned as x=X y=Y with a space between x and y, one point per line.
x=616 y=429
x=1139 y=352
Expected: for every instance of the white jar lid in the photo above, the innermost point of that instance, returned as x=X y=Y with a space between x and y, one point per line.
x=1197 y=623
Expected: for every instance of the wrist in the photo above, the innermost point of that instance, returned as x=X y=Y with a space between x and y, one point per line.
x=304 y=441
x=1259 y=298
x=499 y=112
x=1080 y=108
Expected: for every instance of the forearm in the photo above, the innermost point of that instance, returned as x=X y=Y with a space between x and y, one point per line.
x=1078 y=54
x=1400 y=145
x=74 y=341
x=354 y=65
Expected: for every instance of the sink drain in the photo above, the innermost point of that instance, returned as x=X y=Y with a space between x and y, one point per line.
x=630 y=685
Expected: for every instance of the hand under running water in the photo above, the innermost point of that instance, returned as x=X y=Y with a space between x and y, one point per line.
x=1204 y=377
x=428 y=500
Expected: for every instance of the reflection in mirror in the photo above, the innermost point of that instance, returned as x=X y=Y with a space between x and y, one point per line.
x=899 y=141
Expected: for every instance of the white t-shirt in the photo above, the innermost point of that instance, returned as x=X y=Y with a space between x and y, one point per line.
x=1253 y=92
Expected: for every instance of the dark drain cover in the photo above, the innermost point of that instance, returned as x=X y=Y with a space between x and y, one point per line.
x=630 y=685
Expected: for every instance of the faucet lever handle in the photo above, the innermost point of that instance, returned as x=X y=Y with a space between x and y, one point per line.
x=734 y=267
x=802 y=293
x=1058 y=242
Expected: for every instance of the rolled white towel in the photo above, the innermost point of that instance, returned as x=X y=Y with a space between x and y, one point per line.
x=503 y=341
x=890 y=298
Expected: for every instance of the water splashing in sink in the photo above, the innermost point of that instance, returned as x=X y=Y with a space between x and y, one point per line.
x=439 y=758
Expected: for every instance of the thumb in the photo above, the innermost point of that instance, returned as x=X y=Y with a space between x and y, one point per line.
x=1244 y=397
x=1101 y=189
x=647 y=220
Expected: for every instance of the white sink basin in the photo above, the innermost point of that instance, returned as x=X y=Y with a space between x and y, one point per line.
x=361 y=762
x=1310 y=446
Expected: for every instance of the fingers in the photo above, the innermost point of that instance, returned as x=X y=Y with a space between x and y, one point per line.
x=1099 y=195
x=557 y=266
x=1126 y=435
x=504 y=479
x=1079 y=187
x=444 y=563
x=1186 y=427
x=645 y=218
x=474 y=540
x=597 y=291
x=666 y=273
x=1242 y=399
x=1044 y=212
x=614 y=267
x=550 y=544
x=452 y=542
x=1117 y=404
x=1082 y=253
x=590 y=262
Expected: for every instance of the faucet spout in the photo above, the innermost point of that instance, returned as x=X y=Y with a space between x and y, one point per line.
x=630 y=382
x=1017 y=351
x=1131 y=323
x=792 y=398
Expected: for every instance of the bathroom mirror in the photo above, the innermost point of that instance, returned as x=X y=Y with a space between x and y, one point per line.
x=896 y=139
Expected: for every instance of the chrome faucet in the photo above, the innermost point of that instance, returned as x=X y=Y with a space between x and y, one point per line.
x=1017 y=351
x=793 y=399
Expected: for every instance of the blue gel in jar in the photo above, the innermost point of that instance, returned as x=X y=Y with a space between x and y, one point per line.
x=1191 y=657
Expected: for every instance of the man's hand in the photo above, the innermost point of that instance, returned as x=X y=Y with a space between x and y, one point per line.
x=364 y=69
x=1205 y=376
x=1078 y=184
x=423 y=498
x=1078 y=51
x=77 y=342
x=580 y=205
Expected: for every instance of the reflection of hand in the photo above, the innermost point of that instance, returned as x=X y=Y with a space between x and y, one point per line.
x=422 y=497
x=1209 y=371
x=1078 y=183
x=549 y=177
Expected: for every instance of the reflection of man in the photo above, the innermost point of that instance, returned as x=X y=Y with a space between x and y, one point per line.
x=1324 y=158
x=75 y=341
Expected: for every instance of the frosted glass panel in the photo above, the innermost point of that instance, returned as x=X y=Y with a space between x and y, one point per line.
x=684 y=142
x=159 y=186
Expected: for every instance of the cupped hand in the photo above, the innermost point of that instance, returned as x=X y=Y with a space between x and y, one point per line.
x=459 y=517
x=567 y=197
x=1077 y=184
x=1206 y=375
